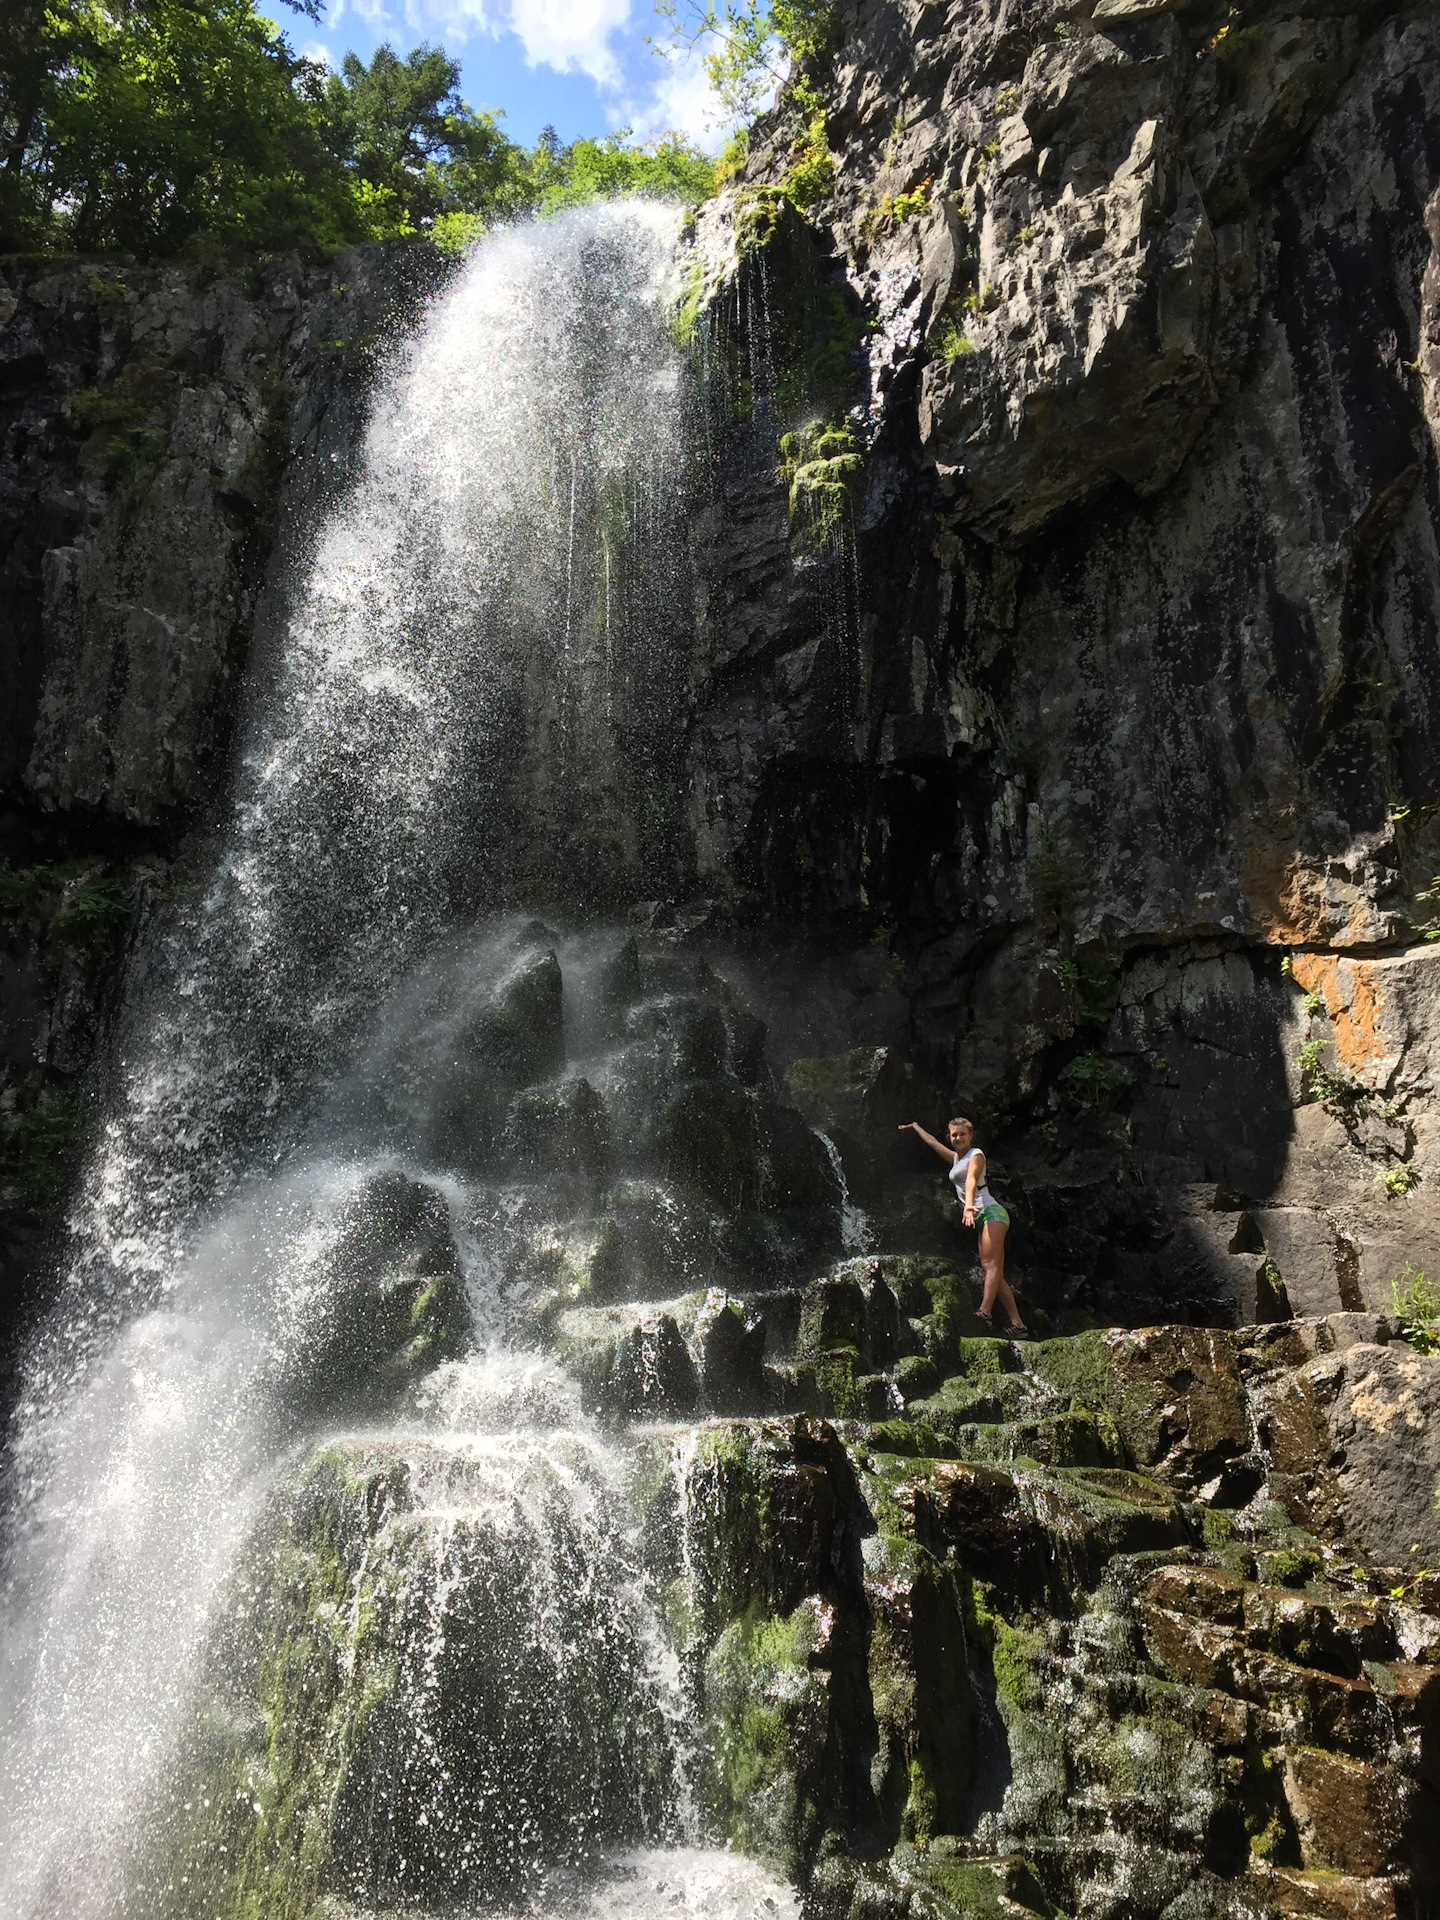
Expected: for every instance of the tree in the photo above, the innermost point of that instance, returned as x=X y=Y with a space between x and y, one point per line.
x=752 y=44
x=668 y=169
x=413 y=147
x=148 y=124
x=163 y=126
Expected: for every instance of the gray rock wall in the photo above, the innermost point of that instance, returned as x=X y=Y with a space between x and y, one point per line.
x=1122 y=734
x=160 y=428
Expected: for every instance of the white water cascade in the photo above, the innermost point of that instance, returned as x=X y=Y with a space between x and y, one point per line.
x=298 y=1137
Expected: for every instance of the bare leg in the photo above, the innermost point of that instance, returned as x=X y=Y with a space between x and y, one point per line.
x=992 y=1264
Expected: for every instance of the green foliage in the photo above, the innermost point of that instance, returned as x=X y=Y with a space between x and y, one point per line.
x=1398 y=1180
x=1430 y=897
x=74 y=903
x=1416 y=1305
x=952 y=340
x=24 y=890
x=811 y=172
x=1091 y=1084
x=167 y=126
x=35 y=1150
x=732 y=157
x=751 y=43
x=146 y=124
x=413 y=149
x=133 y=438
x=1330 y=1089
x=1095 y=989
x=667 y=169
x=821 y=467
x=94 y=912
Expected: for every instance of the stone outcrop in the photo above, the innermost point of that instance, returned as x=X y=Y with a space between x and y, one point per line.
x=160 y=428
x=1075 y=1627
x=1110 y=718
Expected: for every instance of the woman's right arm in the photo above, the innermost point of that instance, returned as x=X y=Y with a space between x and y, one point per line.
x=947 y=1154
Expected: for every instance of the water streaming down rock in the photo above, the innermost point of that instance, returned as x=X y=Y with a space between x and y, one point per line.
x=256 y=1259
x=447 y=1485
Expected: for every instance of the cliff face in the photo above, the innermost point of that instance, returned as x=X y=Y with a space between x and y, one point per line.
x=1126 y=729
x=1061 y=747
x=158 y=427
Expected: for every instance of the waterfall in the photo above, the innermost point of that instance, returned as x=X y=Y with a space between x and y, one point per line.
x=280 y=1372
x=856 y=1233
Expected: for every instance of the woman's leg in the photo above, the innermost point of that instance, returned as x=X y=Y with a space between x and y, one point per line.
x=992 y=1263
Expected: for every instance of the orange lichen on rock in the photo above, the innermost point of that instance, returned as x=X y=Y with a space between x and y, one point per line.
x=1294 y=905
x=1351 y=992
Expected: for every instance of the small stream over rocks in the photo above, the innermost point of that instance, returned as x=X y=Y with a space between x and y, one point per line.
x=485 y=1462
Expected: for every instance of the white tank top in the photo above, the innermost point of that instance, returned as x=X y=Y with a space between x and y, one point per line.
x=983 y=1195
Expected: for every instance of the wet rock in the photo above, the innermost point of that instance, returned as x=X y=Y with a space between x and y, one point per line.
x=919 y=1685
x=631 y=1363
x=768 y=1727
x=438 y=1691
x=383 y=1306
x=732 y=1358
x=509 y=1037
x=560 y=1130
x=778 y=1516
x=1347 y=1817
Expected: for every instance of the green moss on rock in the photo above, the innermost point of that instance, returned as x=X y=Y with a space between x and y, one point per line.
x=766 y=1725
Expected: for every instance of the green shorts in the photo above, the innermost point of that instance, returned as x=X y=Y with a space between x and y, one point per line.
x=993 y=1215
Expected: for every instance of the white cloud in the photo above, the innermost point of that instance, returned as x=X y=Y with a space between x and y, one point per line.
x=316 y=50
x=571 y=35
x=681 y=101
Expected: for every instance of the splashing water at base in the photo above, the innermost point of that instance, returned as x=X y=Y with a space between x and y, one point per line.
x=222 y=1235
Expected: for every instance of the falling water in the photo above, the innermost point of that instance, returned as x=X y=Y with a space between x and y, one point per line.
x=486 y=589
x=856 y=1233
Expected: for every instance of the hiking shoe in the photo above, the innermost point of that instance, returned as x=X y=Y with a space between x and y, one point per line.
x=1009 y=1332
x=984 y=1319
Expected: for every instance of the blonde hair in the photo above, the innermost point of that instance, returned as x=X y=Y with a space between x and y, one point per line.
x=961 y=1121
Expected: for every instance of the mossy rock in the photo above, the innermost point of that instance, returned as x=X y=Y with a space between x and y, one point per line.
x=798 y=1170
x=979 y=1398
x=920 y=1689
x=766 y=1499
x=832 y=1315
x=630 y=1366
x=911 y=1440
x=551 y=1130
x=767 y=1725
x=1081 y=1367
x=704 y=1137
x=448 y=1683
x=916 y=1377
x=513 y=1038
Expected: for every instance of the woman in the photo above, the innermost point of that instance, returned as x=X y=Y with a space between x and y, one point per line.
x=982 y=1209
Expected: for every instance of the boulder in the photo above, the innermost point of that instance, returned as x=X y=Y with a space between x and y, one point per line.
x=382 y=1306
x=1357 y=1436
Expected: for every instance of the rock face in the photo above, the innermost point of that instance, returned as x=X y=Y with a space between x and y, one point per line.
x=161 y=426
x=1076 y=1627
x=1118 y=697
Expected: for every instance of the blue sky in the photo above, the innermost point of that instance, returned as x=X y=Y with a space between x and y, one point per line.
x=581 y=66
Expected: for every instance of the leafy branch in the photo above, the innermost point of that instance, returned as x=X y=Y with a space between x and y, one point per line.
x=752 y=45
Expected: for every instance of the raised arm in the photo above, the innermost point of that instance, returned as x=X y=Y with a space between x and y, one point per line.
x=947 y=1154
